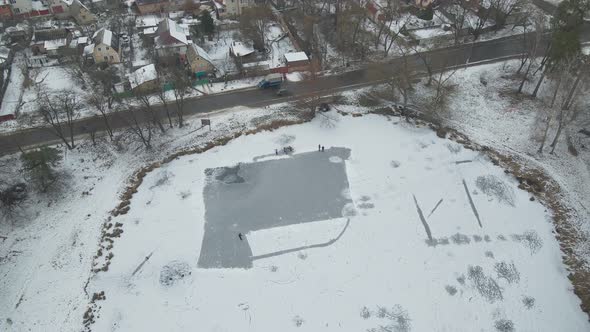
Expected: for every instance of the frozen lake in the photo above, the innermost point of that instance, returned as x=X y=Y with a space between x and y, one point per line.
x=253 y=196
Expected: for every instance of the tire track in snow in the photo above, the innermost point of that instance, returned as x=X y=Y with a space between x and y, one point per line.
x=424 y=223
x=435 y=207
x=471 y=203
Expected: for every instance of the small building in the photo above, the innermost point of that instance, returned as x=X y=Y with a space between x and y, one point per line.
x=296 y=61
x=171 y=42
x=81 y=14
x=49 y=41
x=18 y=32
x=144 y=79
x=21 y=8
x=28 y=8
x=147 y=21
x=39 y=8
x=59 y=8
x=239 y=49
x=105 y=47
x=199 y=61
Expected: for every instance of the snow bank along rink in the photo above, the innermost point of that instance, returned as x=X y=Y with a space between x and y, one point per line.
x=434 y=238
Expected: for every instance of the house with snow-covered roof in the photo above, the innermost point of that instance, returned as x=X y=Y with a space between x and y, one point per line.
x=144 y=79
x=81 y=13
x=199 y=61
x=171 y=41
x=296 y=61
x=49 y=41
x=105 y=47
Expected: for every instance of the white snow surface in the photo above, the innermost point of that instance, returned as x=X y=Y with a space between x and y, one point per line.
x=382 y=259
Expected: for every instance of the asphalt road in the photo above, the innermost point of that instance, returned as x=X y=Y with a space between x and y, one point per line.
x=375 y=73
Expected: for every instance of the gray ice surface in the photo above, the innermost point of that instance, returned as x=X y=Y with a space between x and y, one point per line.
x=247 y=197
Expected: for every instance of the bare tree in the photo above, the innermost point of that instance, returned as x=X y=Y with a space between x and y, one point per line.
x=570 y=79
x=400 y=81
x=60 y=110
x=139 y=123
x=253 y=21
x=349 y=28
x=568 y=112
x=442 y=84
x=532 y=48
x=143 y=98
x=161 y=93
x=502 y=9
x=182 y=85
x=99 y=102
x=103 y=82
x=457 y=10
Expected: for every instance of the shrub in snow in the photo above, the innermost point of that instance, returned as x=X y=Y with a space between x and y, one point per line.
x=173 y=272
x=486 y=286
x=492 y=186
x=508 y=272
x=504 y=325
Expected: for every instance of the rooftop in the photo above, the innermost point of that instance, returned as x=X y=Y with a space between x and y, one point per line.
x=142 y=75
x=296 y=56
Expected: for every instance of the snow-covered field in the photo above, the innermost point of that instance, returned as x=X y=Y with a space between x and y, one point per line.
x=517 y=126
x=491 y=260
x=436 y=238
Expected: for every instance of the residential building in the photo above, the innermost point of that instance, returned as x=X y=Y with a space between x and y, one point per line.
x=79 y=12
x=235 y=7
x=144 y=79
x=21 y=8
x=28 y=8
x=49 y=41
x=105 y=47
x=59 y=8
x=171 y=41
x=199 y=61
x=157 y=6
x=5 y=10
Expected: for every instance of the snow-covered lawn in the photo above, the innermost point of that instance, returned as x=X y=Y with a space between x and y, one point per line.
x=13 y=93
x=218 y=49
x=280 y=43
x=53 y=79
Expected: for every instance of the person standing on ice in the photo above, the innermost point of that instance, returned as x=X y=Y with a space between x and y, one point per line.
x=319 y=147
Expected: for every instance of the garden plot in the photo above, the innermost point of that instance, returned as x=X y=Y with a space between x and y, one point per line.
x=434 y=238
x=218 y=49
